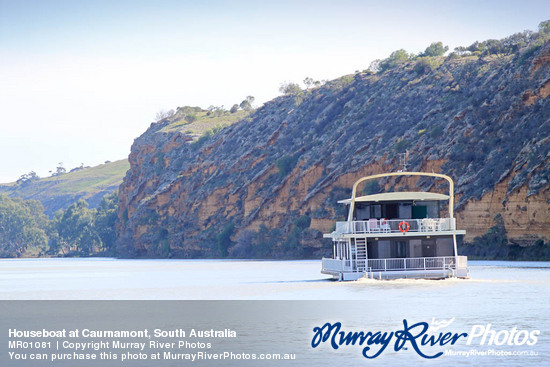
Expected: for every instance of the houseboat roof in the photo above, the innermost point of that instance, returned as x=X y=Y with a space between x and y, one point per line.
x=399 y=196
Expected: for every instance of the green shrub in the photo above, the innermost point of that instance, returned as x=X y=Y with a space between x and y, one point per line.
x=528 y=53
x=371 y=187
x=190 y=118
x=224 y=239
x=285 y=165
x=303 y=222
x=402 y=145
x=425 y=65
x=436 y=132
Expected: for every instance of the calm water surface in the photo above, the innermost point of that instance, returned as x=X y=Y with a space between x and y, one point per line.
x=504 y=294
x=105 y=278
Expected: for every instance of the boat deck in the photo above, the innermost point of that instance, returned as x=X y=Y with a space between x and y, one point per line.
x=400 y=268
x=390 y=228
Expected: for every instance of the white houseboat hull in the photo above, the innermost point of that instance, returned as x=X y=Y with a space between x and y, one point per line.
x=419 y=268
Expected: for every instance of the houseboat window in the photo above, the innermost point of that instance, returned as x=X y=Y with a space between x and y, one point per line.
x=425 y=209
x=405 y=210
x=366 y=211
x=445 y=246
x=399 y=249
x=376 y=211
x=419 y=212
x=372 y=249
x=415 y=248
x=428 y=248
x=362 y=212
x=384 y=249
x=391 y=211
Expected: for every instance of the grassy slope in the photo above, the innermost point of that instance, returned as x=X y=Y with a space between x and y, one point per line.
x=203 y=123
x=59 y=192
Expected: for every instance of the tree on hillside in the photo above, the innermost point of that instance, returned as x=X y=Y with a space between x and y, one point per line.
x=247 y=103
x=216 y=111
x=22 y=226
x=515 y=42
x=544 y=27
x=163 y=114
x=310 y=82
x=105 y=221
x=59 y=170
x=76 y=232
x=374 y=66
x=27 y=178
x=234 y=108
x=396 y=58
x=79 y=168
x=435 y=49
x=290 y=88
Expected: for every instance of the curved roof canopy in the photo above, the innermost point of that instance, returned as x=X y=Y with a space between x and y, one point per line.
x=398 y=196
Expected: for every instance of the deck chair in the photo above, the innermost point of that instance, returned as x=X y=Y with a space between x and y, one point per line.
x=373 y=225
x=385 y=226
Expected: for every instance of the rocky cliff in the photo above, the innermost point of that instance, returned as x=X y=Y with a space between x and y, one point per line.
x=267 y=185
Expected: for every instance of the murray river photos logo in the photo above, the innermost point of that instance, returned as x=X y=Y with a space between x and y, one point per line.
x=421 y=337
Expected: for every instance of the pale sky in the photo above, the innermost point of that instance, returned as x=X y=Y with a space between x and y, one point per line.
x=80 y=80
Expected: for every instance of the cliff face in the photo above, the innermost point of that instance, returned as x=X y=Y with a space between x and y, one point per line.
x=272 y=179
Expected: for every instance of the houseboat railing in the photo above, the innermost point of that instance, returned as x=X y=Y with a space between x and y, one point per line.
x=392 y=225
x=396 y=264
x=333 y=264
x=419 y=263
x=341 y=227
x=338 y=265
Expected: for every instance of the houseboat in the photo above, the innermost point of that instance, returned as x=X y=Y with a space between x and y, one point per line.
x=397 y=235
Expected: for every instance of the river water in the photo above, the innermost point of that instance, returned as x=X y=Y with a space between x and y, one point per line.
x=506 y=295
x=519 y=284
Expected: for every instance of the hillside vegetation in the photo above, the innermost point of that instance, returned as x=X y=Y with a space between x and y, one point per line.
x=60 y=191
x=196 y=121
x=25 y=231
